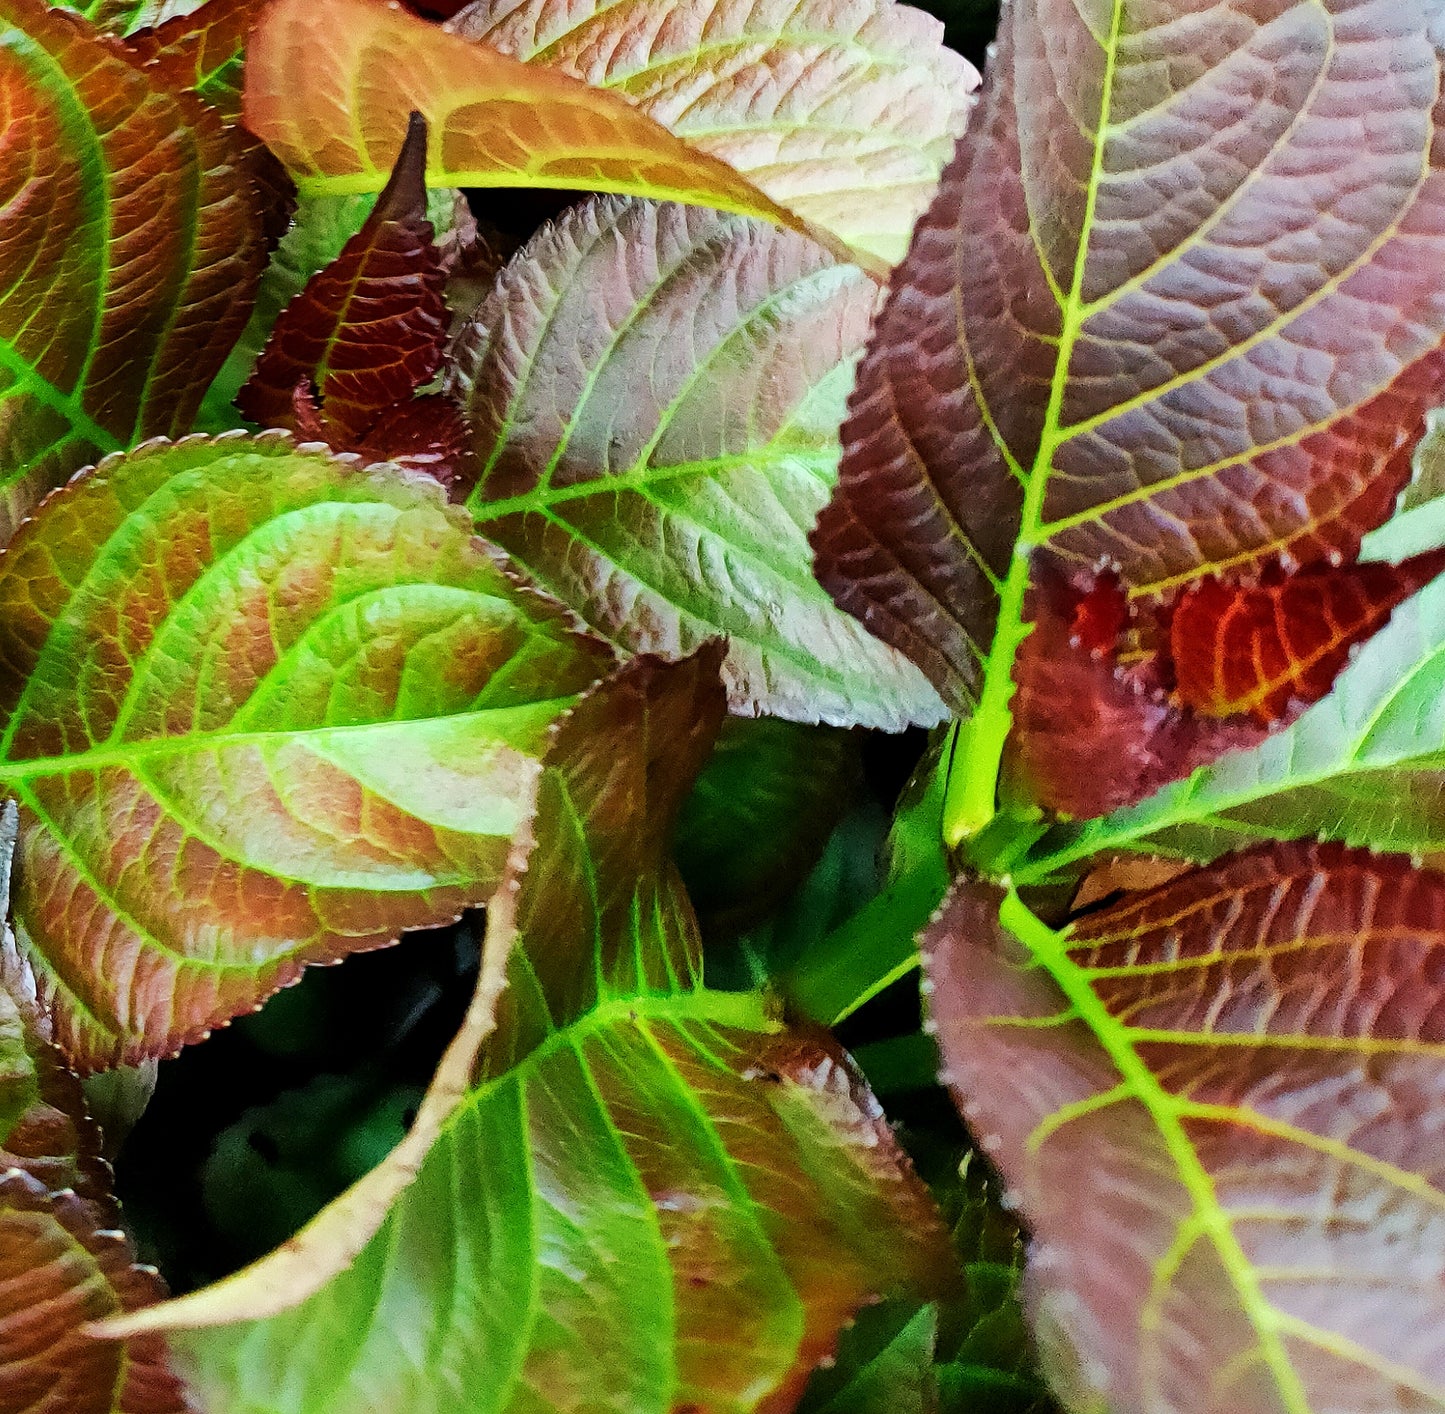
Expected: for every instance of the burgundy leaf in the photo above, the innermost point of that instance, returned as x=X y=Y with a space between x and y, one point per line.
x=368 y=330
x=1175 y=309
x=1092 y=733
x=1217 y=1105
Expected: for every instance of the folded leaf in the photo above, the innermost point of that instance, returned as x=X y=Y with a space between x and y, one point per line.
x=1079 y=707
x=1108 y=345
x=1366 y=765
x=129 y=252
x=368 y=330
x=1214 y=1104
x=1267 y=648
x=843 y=112
x=655 y=394
x=653 y=1190
x=63 y=1261
x=330 y=83
x=259 y=709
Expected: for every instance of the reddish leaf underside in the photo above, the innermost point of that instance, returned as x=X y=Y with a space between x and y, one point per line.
x=1181 y=280
x=366 y=332
x=1266 y=648
x=1217 y=1104
x=130 y=248
x=63 y=1260
x=1160 y=689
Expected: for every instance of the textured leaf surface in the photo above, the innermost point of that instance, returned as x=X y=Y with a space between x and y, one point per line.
x=1263 y=648
x=260 y=708
x=1366 y=765
x=655 y=393
x=1089 y=734
x=1216 y=1103
x=842 y=110
x=653 y=1198
x=368 y=330
x=1174 y=309
x=130 y=247
x=330 y=83
x=200 y=51
x=63 y=1263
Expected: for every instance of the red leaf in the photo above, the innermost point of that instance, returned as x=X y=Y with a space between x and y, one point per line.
x=368 y=330
x=1265 y=648
x=63 y=1260
x=427 y=433
x=1091 y=734
x=1217 y=1105
x=200 y=51
x=1176 y=308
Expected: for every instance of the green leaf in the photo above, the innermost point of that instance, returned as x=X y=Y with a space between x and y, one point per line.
x=655 y=393
x=1216 y=1105
x=654 y=1196
x=1366 y=765
x=760 y=814
x=259 y=708
x=129 y=253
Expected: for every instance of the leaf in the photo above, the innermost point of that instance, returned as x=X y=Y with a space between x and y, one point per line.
x=1213 y=1103
x=368 y=330
x=1266 y=648
x=63 y=1261
x=1106 y=346
x=652 y=1190
x=200 y=51
x=655 y=394
x=1366 y=765
x=129 y=253
x=330 y=85
x=259 y=709
x=842 y=112
x=759 y=816
x=1091 y=735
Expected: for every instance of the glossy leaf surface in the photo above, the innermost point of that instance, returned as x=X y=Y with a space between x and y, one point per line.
x=367 y=331
x=1210 y=1101
x=1175 y=310
x=63 y=1261
x=655 y=394
x=330 y=84
x=841 y=110
x=130 y=247
x=652 y=1192
x=260 y=708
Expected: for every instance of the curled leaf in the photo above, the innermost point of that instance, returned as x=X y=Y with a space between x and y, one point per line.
x=129 y=253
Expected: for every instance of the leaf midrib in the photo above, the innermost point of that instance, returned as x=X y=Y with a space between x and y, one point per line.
x=139 y=750
x=1049 y=951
